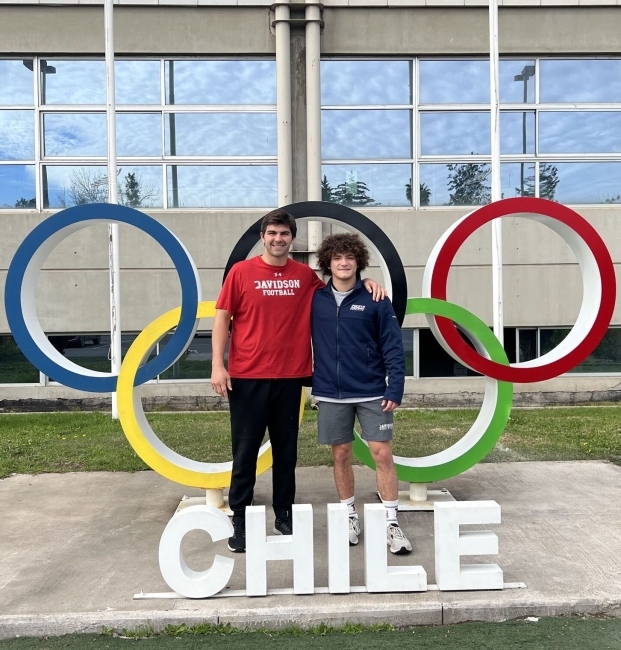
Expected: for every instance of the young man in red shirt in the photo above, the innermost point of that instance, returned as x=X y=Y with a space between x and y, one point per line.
x=269 y=298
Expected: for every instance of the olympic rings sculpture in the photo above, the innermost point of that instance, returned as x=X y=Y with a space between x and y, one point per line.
x=487 y=357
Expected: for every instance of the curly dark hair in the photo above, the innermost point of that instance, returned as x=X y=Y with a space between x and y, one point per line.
x=342 y=243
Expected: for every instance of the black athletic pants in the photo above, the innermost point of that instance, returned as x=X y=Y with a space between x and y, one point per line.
x=257 y=404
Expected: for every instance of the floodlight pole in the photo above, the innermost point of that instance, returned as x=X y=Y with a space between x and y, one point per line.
x=497 y=297
x=113 y=229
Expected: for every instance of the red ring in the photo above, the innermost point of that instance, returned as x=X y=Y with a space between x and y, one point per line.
x=603 y=260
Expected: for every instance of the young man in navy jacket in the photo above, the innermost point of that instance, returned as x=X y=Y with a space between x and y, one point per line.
x=357 y=343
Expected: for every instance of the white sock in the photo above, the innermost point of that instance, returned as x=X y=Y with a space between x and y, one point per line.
x=391 y=512
x=351 y=506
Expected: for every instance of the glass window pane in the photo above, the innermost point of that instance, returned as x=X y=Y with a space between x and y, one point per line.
x=220 y=82
x=454 y=82
x=195 y=363
x=528 y=344
x=585 y=182
x=517 y=179
x=137 y=82
x=140 y=186
x=348 y=83
x=454 y=133
x=517 y=132
x=435 y=361
x=17 y=186
x=222 y=186
x=64 y=186
x=17 y=135
x=550 y=338
x=14 y=367
x=517 y=82
x=367 y=185
x=87 y=350
x=407 y=336
x=91 y=350
x=220 y=134
x=75 y=134
x=139 y=134
x=16 y=82
x=580 y=132
x=605 y=358
x=73 y=82
x=457 y=184
x=369 y=134
x=575 y=80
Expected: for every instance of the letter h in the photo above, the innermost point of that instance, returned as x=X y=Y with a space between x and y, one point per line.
x=297 y=547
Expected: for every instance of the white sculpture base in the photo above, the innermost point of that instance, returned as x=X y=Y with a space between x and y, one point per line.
x=421 y=499
x=213 y=497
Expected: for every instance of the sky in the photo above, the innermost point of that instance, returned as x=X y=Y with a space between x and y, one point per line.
x=376 y=141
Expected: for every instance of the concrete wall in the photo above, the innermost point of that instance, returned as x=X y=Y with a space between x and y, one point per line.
x=348 y=30
x=137 y=30
x=523 y=30
x=541 y=278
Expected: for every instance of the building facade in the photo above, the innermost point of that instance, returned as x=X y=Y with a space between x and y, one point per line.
x=203 y=88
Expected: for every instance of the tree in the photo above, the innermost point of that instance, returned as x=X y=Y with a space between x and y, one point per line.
x=26 y=203
x=613 y=199
x=548 y=180
x=131 y=191
x=88 y=185
x=424 y=193
x=354 y=194
x=468 y=184
x=326 y=190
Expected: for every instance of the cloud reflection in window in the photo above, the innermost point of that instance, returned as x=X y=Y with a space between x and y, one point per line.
x=16 y=85
x=221 y=134
x=220 y=82
x=222 y=186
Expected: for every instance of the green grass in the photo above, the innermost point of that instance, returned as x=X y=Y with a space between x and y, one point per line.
x=546 y=634
x=67 y=442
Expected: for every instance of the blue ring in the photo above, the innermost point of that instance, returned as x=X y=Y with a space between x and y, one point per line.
x=111 y=213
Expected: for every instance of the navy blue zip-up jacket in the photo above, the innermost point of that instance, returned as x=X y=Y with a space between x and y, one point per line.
x=355 y=346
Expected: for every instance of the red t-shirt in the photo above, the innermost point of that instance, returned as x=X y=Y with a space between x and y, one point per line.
x=271 y=305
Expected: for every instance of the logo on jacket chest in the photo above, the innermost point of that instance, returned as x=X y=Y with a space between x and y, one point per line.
x=357 y=307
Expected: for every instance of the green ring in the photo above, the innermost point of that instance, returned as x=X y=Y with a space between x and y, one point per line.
x=480 y=332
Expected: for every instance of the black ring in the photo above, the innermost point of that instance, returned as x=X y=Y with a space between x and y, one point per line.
x=346 y=216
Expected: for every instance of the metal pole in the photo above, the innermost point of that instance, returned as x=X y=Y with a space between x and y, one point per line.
x=283 y=104
x=173 y=133
x=498 y=319
x=113 y=229
x=313 y=123
x=525 y=81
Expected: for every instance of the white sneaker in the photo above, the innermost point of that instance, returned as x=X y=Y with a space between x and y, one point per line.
x=354 y=530
x=396 y=539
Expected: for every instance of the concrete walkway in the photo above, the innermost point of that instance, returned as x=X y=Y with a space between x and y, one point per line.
x=75 y=548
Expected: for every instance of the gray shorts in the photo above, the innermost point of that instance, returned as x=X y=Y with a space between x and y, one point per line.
x=335 y=422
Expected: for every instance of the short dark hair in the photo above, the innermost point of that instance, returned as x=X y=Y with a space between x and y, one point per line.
x=342 y=243
x=279 y=217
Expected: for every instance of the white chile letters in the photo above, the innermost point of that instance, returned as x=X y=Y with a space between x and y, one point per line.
x=450 y=544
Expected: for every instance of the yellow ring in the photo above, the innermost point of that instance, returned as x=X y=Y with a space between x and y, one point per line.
x=141 y=437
